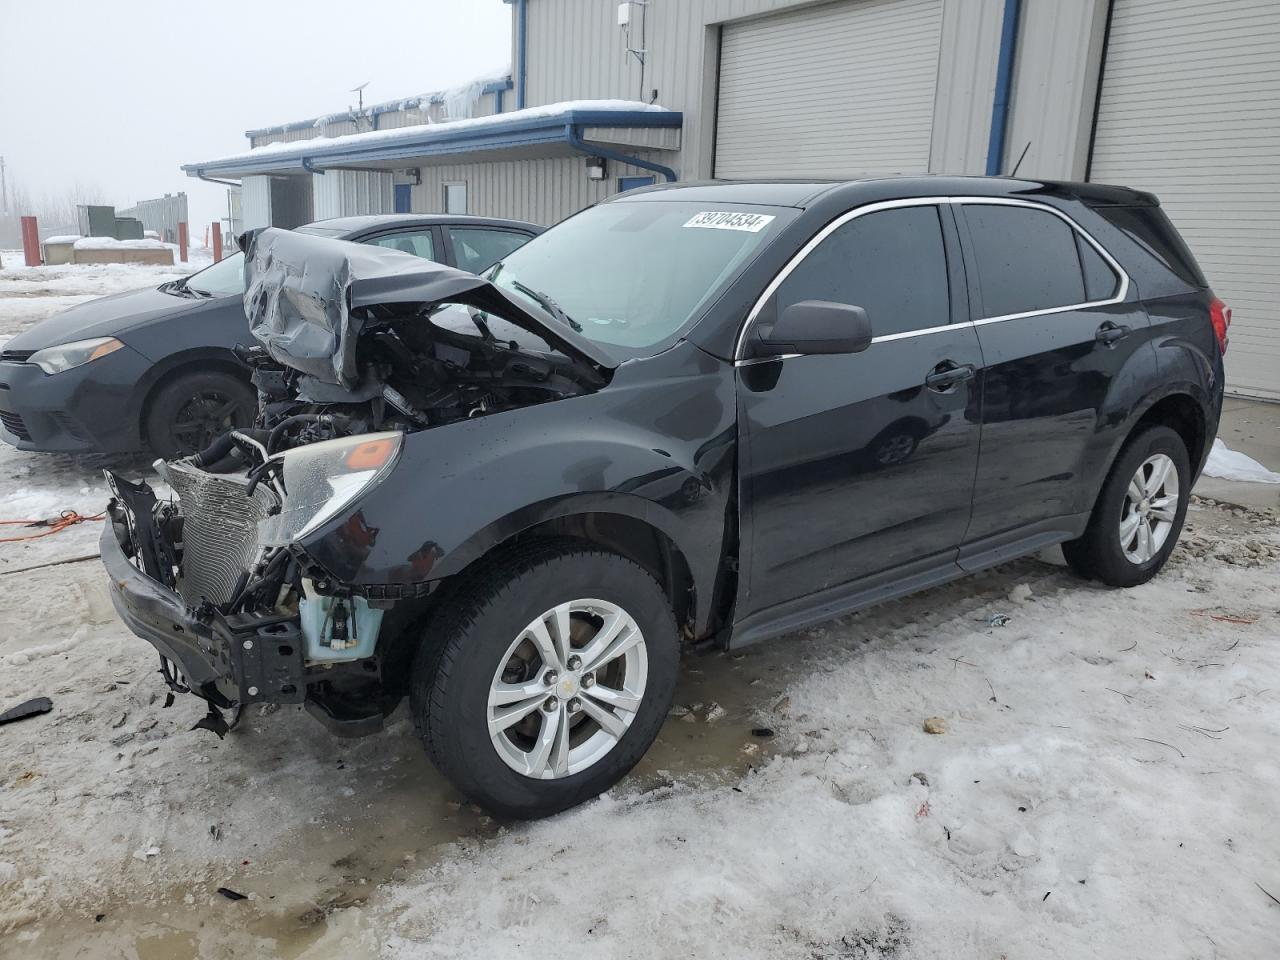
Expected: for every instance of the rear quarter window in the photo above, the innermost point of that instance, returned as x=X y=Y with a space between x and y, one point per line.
x=1151 y=229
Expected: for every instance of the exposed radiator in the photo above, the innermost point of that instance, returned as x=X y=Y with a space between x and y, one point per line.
x=219 y=533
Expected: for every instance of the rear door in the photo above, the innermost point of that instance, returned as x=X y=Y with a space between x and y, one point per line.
x=856 y=465
x=1058 y=326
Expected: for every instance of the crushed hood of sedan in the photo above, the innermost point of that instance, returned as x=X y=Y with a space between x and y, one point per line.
x=306 y=298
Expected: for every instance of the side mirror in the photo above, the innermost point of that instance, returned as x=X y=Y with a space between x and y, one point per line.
x=815 y=326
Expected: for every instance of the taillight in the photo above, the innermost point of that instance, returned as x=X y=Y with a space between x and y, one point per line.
x=1220 y=317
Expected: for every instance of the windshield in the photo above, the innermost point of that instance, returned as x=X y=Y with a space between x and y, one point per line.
x=630 y=275
x=224 y=278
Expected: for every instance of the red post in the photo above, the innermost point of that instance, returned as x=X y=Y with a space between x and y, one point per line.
x=217 y=242
x=182 y=241
x=30 y=242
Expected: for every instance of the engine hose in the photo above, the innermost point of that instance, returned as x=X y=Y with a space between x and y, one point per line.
x=220 y=448
x=283 y=427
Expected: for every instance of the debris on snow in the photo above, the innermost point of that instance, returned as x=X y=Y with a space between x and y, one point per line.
x=32 y=708
x=935 y=725
x=146 y=852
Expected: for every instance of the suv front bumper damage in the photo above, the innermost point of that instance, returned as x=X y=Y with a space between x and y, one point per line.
x=227 y=660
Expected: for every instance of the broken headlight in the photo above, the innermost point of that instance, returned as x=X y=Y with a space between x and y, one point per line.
x=322 y=480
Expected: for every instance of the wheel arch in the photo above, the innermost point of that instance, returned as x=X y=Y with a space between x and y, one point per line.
x=170 y=368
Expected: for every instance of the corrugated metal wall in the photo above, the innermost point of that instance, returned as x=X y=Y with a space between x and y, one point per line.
x=576 y=49
x=163 y=214
x=1055 y=83
x=541 y=191
x=343 y=193
x=255 y=202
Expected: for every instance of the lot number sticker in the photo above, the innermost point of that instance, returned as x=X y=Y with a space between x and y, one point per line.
x=747 y=222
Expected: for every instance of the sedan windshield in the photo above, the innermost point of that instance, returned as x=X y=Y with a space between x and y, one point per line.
x=224 y=278
x=632 y=274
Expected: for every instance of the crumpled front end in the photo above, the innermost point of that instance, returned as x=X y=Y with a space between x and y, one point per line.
x=217 y=579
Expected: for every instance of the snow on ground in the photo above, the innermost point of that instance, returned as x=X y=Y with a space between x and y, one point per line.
x=30 y=294
x=1113 y=750
x=1228 y=464
x=1106 y=787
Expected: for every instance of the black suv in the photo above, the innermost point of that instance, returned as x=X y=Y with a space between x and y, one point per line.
x=699 y=414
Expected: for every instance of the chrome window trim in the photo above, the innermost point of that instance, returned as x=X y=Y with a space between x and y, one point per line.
x=1119 y=297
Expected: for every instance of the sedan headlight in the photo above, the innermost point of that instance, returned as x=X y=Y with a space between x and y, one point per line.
x=321 y=480
x=67 y=355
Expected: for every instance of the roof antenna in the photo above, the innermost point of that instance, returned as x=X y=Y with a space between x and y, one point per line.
x=1021 y=157
x=360 y=92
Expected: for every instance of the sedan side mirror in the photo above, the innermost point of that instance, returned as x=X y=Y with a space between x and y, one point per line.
x=815 y=326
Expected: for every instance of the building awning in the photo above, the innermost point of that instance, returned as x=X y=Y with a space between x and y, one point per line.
x=606 y=127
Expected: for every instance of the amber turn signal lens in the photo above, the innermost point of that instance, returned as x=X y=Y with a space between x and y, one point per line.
x=371 y=454
x=108 y=346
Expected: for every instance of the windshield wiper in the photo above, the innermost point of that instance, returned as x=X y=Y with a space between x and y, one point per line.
x=549 y=305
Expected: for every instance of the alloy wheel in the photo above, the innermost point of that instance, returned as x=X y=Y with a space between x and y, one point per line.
x=203 y=418
x=567 y=689
x=1150 y=508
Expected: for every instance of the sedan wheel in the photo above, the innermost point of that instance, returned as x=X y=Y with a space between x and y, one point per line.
x=567 y=689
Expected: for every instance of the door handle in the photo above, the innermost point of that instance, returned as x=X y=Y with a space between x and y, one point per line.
x=947 y=374
x=1110 y=332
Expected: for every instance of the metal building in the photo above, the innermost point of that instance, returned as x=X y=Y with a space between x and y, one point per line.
x=1181 y=97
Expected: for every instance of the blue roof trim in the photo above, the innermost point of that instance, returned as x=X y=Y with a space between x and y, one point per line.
x=376 y=110
x=517 y=132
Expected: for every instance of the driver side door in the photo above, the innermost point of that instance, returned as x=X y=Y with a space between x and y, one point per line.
x=857 y=470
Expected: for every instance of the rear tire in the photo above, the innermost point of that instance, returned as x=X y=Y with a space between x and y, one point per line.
x=189 y=412
x=1139 y=512
x=585 y=712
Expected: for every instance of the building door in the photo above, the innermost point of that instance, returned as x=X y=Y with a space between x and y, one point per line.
x=404 y=197
x=1189 y=110
x=836 y=90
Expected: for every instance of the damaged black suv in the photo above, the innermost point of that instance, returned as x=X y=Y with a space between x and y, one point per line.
x=695 y=415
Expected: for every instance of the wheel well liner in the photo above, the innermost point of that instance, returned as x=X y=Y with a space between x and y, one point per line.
x=1183 y=414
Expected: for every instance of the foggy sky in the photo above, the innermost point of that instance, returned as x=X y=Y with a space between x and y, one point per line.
x=120 y=93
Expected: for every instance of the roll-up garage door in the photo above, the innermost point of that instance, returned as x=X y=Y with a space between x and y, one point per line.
x=836 y=90
x=1190 y=110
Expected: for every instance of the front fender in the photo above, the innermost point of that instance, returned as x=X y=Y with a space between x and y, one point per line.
x=657 y=444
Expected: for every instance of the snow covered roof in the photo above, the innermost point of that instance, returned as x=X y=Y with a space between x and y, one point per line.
x=551 y=124
x=489 y=82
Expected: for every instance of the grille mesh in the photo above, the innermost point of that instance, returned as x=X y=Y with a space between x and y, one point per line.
x=219 y=533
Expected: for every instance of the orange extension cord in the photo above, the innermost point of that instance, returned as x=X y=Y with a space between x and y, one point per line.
x=68 y=518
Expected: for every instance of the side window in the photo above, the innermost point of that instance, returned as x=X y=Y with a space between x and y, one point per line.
x=1027 y=259
x=476 y=248
x=419 y=244
x=891 y=263
x=1100 y=281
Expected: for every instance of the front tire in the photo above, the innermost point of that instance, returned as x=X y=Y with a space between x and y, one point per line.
x=546 y=680
x=1139 y=513
x=194 y=409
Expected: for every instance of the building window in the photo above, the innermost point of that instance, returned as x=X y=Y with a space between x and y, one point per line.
x=633 y=183
x=455 y=196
